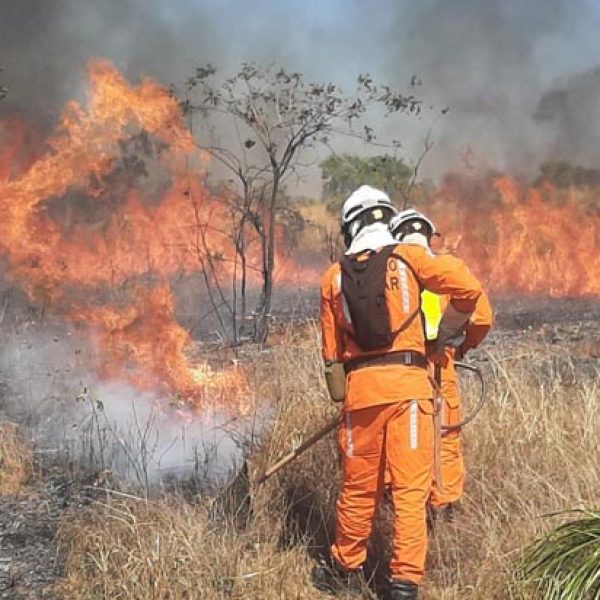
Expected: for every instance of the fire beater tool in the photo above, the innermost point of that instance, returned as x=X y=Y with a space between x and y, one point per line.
x=288 y=458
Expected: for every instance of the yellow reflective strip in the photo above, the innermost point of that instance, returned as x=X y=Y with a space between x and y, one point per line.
x=431 y=305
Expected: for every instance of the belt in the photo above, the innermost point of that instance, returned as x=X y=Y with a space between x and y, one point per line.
x=403 y=357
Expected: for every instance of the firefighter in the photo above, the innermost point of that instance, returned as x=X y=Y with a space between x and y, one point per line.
x=372 y=332
x=413 y=227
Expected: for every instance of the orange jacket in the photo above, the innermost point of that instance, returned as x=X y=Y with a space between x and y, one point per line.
x=479 y=326
x=382 y=384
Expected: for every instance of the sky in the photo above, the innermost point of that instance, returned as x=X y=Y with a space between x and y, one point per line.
x=520 y=78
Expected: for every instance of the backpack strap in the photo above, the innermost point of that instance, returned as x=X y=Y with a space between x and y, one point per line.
x=418 y=310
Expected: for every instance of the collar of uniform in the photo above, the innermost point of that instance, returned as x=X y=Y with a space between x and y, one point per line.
x=371 y=237
x=417 y=239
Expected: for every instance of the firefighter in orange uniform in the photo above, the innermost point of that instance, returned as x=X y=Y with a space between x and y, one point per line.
x=411 y=226
x=371 y=325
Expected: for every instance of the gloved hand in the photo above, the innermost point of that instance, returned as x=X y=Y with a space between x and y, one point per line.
x=450 y=333
x=438 y=355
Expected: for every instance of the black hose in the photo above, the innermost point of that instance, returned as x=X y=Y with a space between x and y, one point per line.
x=480 y=403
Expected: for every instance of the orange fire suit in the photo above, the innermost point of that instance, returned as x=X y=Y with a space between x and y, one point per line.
x=452 y=461
x=387 y=414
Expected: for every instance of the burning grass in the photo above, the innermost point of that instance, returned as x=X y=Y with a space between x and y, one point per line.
x=533 y=452
x=15 y=459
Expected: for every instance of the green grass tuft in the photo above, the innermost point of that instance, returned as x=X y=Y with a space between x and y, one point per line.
x=565 y=563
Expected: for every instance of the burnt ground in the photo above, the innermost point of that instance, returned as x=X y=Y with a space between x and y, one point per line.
x=30 y=563
x=544 y=313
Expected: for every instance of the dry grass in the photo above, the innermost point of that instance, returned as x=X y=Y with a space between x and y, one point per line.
x=532 y=452
x=170 y=549
x=15 y=459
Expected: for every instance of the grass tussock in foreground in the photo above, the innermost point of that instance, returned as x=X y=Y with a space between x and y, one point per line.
x=15 y=460
x=533 y=451
x=565 y=563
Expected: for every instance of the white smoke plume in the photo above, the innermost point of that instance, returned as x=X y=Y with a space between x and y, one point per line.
x=50 y=385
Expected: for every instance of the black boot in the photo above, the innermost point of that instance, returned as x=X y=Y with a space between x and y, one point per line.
x=403 y=590
x=329 y=576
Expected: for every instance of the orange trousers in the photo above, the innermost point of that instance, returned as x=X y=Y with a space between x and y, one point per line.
x=452 y=462
x=397 y=438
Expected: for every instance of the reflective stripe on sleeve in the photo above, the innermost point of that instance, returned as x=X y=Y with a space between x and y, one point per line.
x=344 y=302
x=346 y=309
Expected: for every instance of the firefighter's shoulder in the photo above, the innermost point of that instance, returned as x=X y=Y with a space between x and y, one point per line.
x=413 y=253
x=419 y=254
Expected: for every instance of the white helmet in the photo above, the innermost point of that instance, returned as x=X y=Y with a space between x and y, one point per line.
x=368 y=202
x=416 y=220
x=362 y=199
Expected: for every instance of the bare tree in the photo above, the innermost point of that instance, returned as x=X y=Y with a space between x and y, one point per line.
x=3 y=90
x=406 y=191
x=277 y=116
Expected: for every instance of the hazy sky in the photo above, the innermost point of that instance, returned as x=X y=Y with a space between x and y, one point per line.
x=490 y=61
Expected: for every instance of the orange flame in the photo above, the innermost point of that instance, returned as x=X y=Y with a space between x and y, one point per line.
x=110 y=273
x=70 y=263
x=519 y=239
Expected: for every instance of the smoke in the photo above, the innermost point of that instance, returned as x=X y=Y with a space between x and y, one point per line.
x=44 y=46
x=492 y=65
x=49 y=384
x=496 y=65
x=572 y=113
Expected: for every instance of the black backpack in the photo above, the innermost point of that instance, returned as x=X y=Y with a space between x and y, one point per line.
x=364 y=287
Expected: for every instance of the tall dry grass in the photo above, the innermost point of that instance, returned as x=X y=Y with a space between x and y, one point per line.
x=16 y=459
x=532 y=452
x=170 y=549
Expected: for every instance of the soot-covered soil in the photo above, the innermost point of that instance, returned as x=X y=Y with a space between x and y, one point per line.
x=29 y=560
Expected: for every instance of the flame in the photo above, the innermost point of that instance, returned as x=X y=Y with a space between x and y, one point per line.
x=111 y=275
x=98 y=219
x=145 y=332
x=535 y=240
